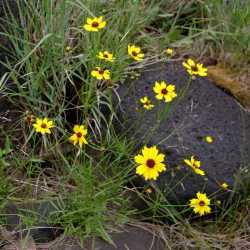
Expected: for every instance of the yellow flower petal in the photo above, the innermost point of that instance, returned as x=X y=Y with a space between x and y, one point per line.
x=190 y=62
x=139 y=159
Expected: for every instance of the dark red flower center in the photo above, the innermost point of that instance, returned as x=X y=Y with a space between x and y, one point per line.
x=101 y=71
x=202 y=203
x=150 y=163
x=95 y=24
x=134 y=53
x=164 y=91
x=79 y=134
x=43 y=125
x=105 y=55
x=194 y=68
x=195 y=165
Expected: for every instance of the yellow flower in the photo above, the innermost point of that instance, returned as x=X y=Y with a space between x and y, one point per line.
x=169 y=51
x=218 y=202
x=150 y=163
x=209 y=139
x=43 y=126
x=201 y=204
x=68 y=49
x=105 y=55
x=101 y=74
x=134 y=75
x=164 y=91
x=146 y=103
x=195 y=68
x=94 y=24
x=135 y=52
x=149 y=190
x=195 y=165
x=224 y=185
x=78 y=136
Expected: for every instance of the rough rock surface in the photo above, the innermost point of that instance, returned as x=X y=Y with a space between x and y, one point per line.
x=47 y=236
x=130 y=237
x=39 y=211
x=204 y=110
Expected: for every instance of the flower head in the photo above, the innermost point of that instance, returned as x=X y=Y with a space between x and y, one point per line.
x=195 y=165
x=135 y=52
x=201 y=204
x=94 y=24
x=169 y=51
x=218 y=202
x=146 y=103
x=150 y=163
x=164 y=91
x=134 y=75
x=149 y=190
x=224 y=185
x=101 y=74
x=78 y=137
x=209 y=139
x=43 y=126
x=29 y=118
x=105 y=55
x=195 y=68
x=68 y=49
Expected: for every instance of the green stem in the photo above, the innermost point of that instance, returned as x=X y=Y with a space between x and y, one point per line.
x=183 y=92
x=160 y=117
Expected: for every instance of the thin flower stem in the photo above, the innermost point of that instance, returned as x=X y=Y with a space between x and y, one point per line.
x=183 y=92
x=45 y=142
x=160 y=117
x=77 y=155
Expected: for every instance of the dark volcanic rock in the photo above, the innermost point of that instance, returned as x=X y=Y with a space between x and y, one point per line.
x=133 y=238
x=38 y=213
x=204 y=110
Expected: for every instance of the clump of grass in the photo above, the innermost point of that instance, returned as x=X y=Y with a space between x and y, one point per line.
x=5 y=185
x=223 y=34
x=52 y=57
x=93 y=206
